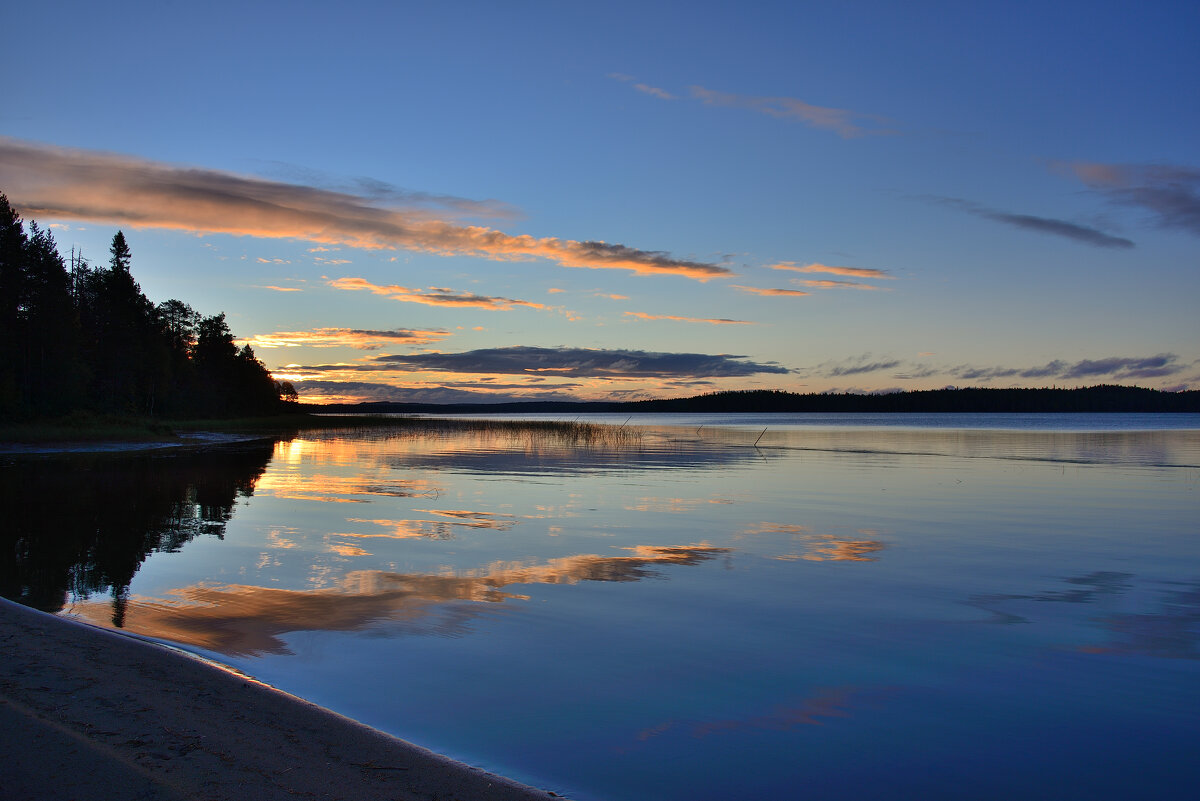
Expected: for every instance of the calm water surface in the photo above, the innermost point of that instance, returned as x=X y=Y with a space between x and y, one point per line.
x=903 y=609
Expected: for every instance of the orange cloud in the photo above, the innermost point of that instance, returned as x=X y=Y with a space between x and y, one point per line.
x=771 y=292
x=281 y=288
x=710 y=320
x=60 y=183
x=860 y=272
x=826 y=284
x=344 y=338
x=433 y=296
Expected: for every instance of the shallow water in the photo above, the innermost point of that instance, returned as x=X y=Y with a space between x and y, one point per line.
x=697 y=611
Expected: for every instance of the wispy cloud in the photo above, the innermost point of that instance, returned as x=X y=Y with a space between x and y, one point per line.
x=582 y=363
x=854 y=272
x=1171 y=193
x=828 y=284
x=281 y=288
x=433 y=296
x=856 y=365
x=845 y=123
x=861 y=366
x=709 y=320
x=1109 y=368
x=360 y=339
x=1042 y=225
x=654 y=90
x=1116 y=368
x=781 y=293
x=394 y=196
x=76 y=184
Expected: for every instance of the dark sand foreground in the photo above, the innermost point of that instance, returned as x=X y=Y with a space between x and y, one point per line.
x=88 y=713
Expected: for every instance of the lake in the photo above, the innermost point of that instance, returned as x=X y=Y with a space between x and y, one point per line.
x=682 y=607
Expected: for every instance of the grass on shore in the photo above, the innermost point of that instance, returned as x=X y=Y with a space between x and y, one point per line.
x=87 y=427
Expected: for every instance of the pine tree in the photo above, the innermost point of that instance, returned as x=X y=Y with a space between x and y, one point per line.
x=12 y=267
x=53 y=374
x=121 y=257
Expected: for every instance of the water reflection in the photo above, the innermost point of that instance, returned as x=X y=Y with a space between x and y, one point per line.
x=1086 y=589
x=432 y=529
x=1145 y=448
x=82 y=525
x=1169 y=630
x=822 y=704
x=675 y=505
x=822 y=547
x=1172 y=631
x=242 y=620
x=811 y=577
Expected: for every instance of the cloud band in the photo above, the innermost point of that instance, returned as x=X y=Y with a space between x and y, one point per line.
x=88 y=185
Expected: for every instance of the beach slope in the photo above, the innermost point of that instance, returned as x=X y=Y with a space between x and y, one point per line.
x=86 y=712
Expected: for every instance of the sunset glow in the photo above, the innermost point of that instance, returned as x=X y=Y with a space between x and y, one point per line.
x=543 y=215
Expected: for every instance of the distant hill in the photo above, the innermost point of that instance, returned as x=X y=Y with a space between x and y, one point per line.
x=1104 y=398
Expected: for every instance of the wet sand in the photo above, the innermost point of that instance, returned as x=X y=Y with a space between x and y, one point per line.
x=86 y=712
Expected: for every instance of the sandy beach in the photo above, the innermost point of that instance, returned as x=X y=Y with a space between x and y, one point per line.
x=89 y=713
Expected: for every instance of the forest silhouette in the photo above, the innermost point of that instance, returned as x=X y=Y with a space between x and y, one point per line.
x=79 y=338
x=1101 y=398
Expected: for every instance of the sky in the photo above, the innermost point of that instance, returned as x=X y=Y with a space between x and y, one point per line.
x=447 y=202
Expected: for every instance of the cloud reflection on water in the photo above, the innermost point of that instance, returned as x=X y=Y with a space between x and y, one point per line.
x=822 y=704
x=339 y=489
x=1173 y=632
x=675 y=505
x=432 y=529
x=822 y=547
x=243 y=620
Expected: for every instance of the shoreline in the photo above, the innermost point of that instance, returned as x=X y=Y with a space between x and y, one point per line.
x=84 y=710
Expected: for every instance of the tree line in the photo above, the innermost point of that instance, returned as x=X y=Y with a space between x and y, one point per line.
x=86 y=338
x=1102 y=398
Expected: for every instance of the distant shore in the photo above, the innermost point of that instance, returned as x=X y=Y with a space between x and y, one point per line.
x=950 y=400
x=84 y=711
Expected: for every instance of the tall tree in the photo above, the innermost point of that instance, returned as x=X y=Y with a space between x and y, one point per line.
x=179 y=322
x=125 y=347
x=121 y=257
x=53 y=373
x=12 y=269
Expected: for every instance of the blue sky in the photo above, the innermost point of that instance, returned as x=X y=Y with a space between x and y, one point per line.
x=402 y=201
